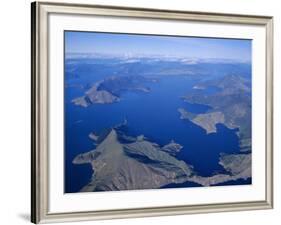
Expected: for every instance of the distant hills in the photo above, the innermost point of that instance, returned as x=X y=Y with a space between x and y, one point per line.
x=153 y=57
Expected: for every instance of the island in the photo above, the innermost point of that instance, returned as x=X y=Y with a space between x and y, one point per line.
x=172 y=148
x=110 y=89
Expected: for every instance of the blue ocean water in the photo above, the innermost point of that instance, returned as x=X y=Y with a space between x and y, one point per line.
x=153 y=114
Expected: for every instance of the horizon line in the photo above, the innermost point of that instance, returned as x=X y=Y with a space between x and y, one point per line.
x=155 y=56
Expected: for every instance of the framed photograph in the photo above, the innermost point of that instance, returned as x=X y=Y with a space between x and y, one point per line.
x=147 y=112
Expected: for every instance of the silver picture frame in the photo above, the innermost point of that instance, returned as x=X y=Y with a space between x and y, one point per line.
x=40 y=107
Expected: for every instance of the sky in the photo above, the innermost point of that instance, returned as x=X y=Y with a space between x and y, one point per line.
x=136 y=44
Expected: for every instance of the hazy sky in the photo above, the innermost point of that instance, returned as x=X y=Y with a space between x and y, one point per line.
x=125 y=44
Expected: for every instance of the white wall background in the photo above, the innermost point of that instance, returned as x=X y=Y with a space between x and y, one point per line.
x=15 y=110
